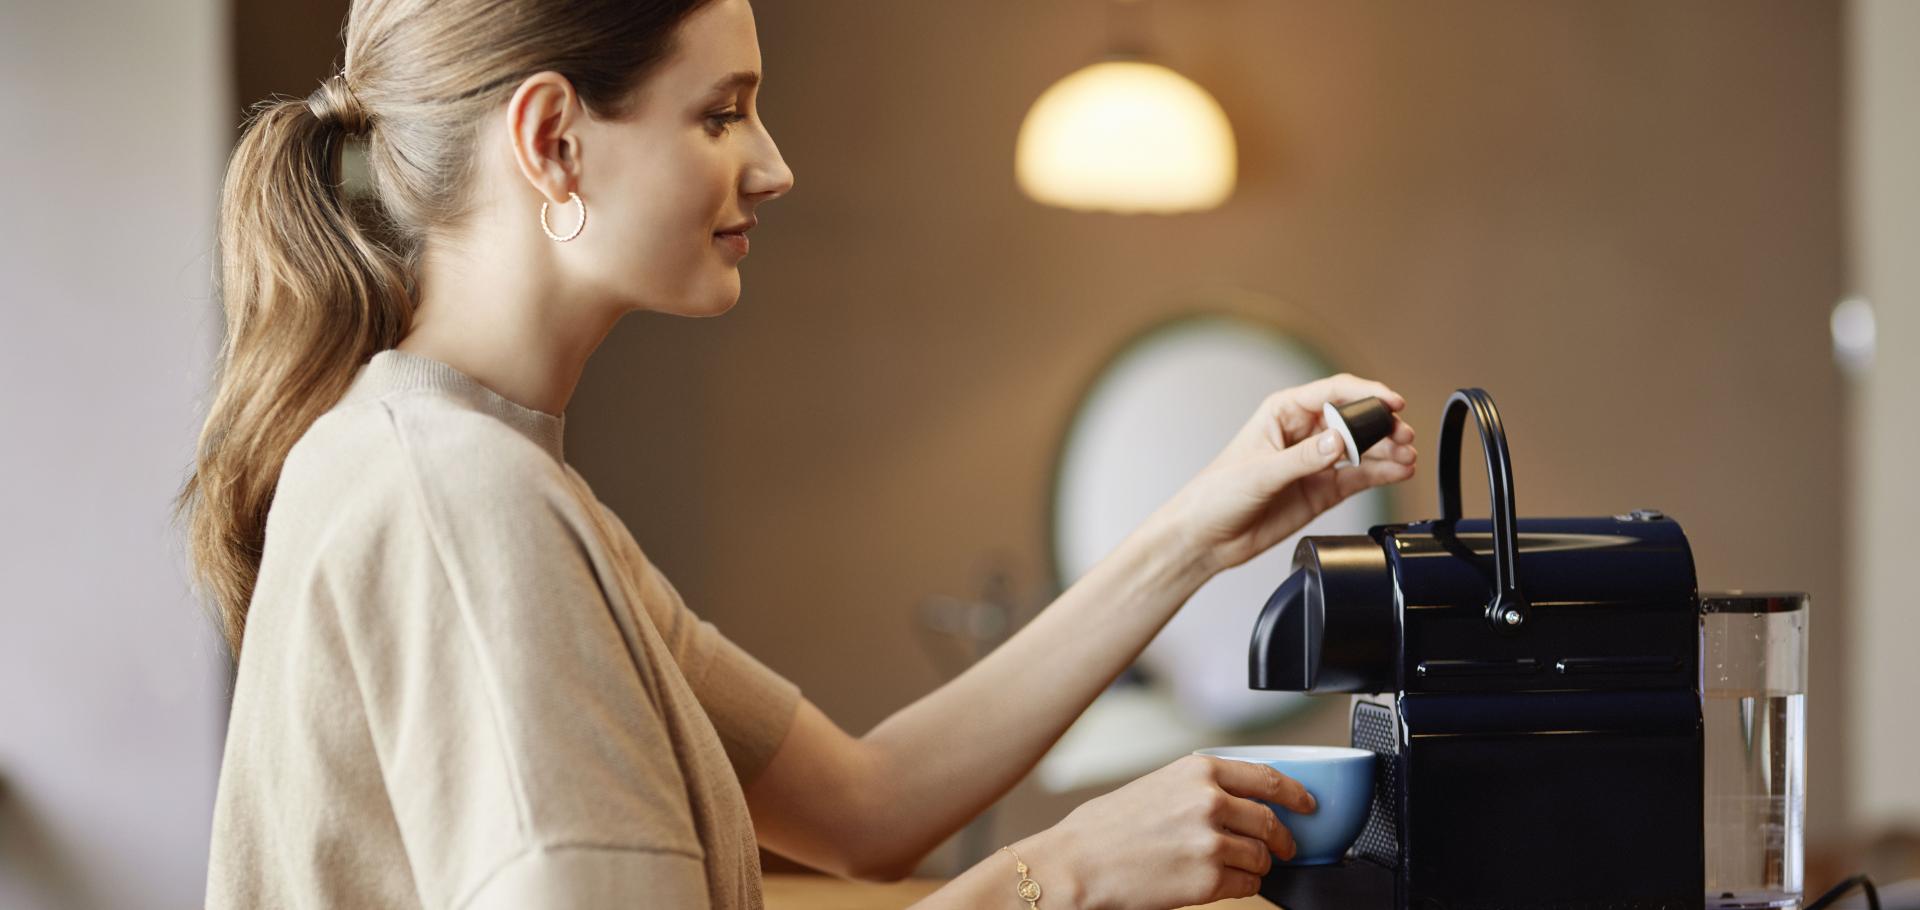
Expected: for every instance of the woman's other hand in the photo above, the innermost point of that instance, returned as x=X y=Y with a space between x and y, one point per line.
x=1273 y=477
x=1193 y=832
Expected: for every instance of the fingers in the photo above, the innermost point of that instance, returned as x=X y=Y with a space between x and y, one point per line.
x=1389 y=462
x=1291 y=414
x=1397 y=439
x=1344 y=388
x=1397 y=445
x=1327 y=489
x=1251 y=819
x=1340 y=389
x=1370 y=473
x=1238 y=837
x=1235 y=883
x=1255 y=781
x=1244 y=853
x=1310 y=456
x=1393 y=448
x=1306 y=463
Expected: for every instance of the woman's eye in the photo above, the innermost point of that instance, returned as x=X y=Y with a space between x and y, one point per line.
x=720 y=122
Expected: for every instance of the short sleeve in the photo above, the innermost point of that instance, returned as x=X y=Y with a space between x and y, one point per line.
x=751 y=706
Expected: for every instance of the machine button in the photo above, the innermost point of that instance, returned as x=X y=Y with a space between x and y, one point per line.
x=1642 y=515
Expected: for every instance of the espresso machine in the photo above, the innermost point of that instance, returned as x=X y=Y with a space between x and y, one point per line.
x=1533 y=692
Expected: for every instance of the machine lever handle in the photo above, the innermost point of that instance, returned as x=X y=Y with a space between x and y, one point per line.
x=1508 y=609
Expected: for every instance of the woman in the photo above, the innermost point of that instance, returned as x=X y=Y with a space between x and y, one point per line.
x=461 y=683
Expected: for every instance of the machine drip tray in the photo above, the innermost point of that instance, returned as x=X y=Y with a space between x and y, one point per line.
x=1353 y=883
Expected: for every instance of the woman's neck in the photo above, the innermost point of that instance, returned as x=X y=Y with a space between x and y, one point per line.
x=497 y=321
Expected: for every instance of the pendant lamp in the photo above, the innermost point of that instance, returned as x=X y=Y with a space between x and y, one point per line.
x=1126 y=135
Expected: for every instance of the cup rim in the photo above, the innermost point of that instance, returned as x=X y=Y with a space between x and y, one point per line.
x=1286 y=753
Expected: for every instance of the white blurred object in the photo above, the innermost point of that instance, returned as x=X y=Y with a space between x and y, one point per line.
x=1126 y=136
x=1855 y=334
x=1127 y=732
x=1155 y=417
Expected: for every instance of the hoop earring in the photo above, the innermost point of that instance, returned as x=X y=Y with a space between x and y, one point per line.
x=573 y=198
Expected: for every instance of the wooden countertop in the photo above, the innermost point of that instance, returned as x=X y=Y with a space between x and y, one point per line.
x=785 y=891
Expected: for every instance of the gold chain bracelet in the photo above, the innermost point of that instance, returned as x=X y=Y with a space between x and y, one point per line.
x=1029 y=890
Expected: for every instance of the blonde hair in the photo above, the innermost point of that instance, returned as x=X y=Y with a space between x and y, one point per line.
x=315 y=283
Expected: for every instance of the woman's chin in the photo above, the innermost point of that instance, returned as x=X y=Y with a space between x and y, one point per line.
x=695 y=300
x=719 y=303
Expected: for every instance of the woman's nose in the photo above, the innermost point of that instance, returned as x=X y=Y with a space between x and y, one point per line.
x=772 y=178
x=777 y=182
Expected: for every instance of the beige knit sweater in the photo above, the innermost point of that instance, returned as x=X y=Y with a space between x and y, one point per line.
x=463 y=685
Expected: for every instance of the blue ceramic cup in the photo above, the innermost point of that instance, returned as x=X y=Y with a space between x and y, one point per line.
x=1341 y=781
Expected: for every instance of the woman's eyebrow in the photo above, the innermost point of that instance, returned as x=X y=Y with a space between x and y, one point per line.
x=732 y=81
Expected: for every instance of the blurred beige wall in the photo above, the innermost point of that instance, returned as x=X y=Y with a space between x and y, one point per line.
x=1623 y=219
x=112 y=683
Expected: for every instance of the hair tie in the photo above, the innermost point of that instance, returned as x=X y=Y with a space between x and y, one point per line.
x=334 y=104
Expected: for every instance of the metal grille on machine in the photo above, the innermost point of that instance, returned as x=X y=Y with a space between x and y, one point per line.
x=1373 y=731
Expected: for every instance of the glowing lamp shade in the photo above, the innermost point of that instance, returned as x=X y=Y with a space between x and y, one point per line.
x=1126 y=136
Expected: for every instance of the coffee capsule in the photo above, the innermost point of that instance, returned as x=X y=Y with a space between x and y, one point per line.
x=1361 y=424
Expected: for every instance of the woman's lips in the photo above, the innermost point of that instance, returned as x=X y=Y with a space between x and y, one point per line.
x=734 y=242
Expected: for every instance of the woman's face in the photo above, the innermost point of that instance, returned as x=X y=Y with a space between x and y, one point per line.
x=689 y=163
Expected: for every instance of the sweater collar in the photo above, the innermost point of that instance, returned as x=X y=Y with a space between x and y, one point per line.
x=394 y=370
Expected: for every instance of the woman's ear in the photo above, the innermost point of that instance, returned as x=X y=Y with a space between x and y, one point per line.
x=540 y=127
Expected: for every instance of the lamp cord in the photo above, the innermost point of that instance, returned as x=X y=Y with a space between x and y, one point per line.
x=1127 y=28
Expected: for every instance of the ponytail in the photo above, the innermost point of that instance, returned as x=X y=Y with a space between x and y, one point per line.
x=309 y=295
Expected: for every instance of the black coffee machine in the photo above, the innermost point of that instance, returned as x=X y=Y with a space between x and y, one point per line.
x=1532 y=690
